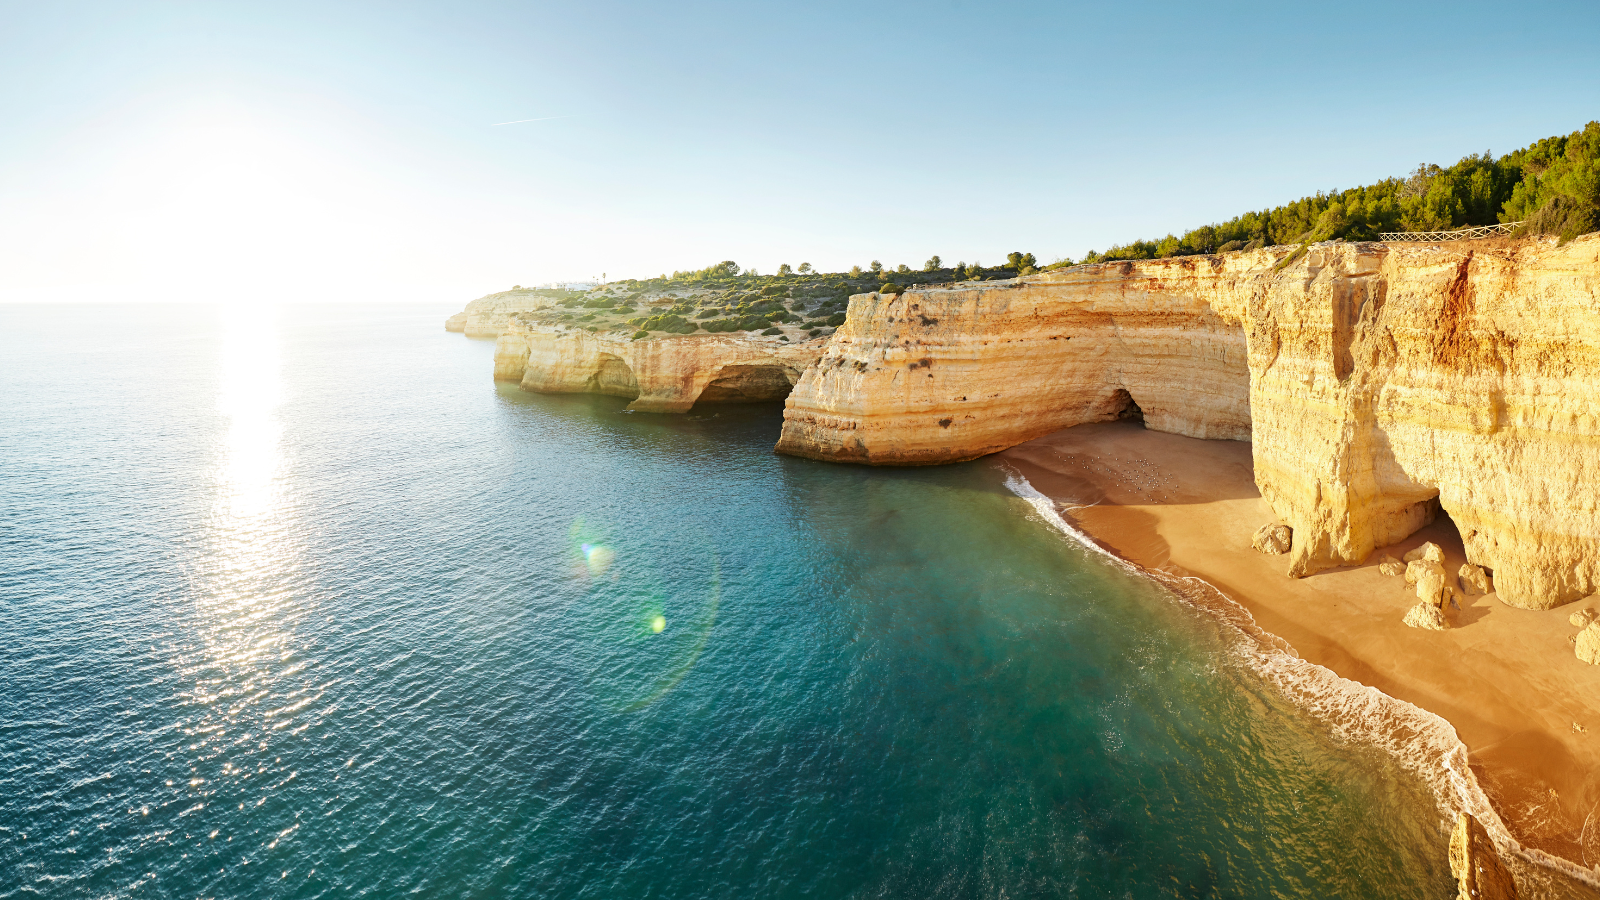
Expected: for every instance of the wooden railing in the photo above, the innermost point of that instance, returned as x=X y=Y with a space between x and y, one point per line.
x=1465 y=234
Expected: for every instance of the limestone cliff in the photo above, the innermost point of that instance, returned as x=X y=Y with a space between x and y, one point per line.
x=487 y=316
x=662 y=374
x=1377 y=382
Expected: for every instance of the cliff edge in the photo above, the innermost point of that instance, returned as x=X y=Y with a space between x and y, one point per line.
x=1377 y=382
x=487 y=316
x=663 y=374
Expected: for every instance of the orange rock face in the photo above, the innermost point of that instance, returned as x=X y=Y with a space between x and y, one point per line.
x=1378 y=383
x=663 y=374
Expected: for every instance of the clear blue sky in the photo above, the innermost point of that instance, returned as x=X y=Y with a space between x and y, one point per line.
x=312 y=151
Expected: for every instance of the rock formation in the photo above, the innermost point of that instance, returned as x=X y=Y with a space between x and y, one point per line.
x=1427 y=616
x=488 y=316
x=1476 y=864
x=1429 y=578
x=1474 y=580
x=1581 y=618
x=1273 y=539
x=1378 y=383
x=1391 y=566
x=665 y=374
x=1588 y=644
x=1429 y=551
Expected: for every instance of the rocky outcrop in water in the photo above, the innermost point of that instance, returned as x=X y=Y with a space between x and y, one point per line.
x=1476 y=864
x=1378 y=383
x=662 y=374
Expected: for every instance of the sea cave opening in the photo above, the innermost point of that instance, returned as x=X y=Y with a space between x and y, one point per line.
x=614 y=377
x=748 y=384
x=1121 y=407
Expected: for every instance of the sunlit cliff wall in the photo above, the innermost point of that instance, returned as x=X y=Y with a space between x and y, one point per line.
x=1373 y=380
x=663 y=374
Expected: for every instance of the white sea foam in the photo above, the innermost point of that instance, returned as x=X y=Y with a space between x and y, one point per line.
x=1424 y=743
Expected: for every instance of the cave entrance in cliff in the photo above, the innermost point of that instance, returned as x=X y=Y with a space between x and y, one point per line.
x=614 y=377
x=1123 y=408
x=748 y=384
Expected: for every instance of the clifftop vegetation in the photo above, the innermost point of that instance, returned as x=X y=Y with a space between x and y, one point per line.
x=1553 y=185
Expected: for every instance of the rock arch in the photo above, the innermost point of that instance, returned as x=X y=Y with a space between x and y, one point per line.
x=614 y=376
x=753 y=382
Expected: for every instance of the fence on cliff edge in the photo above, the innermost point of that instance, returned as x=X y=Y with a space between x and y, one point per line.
x=1465 y=234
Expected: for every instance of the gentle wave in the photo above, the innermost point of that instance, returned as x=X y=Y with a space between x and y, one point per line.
x=1424 y=743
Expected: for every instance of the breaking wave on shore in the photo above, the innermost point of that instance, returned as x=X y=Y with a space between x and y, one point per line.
x=1425 y=744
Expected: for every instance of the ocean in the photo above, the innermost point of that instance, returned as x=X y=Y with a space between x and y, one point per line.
x=298 y=603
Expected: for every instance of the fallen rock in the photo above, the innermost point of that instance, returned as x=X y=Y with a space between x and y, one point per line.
x=1273 y=539
x=1431 y=587
x=1391 y=566
x=1588 y=642
x=1429 y=578
x=1416 y=567
x=1476 y=864
x=1582 y=618
x=1430 y=550
x=1426 y=615
x=1474 y=580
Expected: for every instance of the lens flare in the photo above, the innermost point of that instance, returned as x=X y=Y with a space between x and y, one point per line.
x=597 y=558
x=637 y=660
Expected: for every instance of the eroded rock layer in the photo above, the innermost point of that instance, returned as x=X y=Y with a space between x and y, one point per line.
x=488 y=316
x=663 y=374
x=1377 y=382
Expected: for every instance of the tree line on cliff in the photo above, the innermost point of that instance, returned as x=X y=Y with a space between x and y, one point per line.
x=1553 y=185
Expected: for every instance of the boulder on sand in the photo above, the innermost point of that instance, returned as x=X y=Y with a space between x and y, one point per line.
x=1430 y=550
x=1582 y=618
x=1589 y=644
x=1429 y=578
x=1426 y=615
x=1273 y=539
x=1474 y=580
x=1391 y=566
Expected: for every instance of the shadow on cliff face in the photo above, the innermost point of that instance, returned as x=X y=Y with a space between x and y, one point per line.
x=746 y=384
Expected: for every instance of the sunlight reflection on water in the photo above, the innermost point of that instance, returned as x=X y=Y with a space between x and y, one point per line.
x=241 y=653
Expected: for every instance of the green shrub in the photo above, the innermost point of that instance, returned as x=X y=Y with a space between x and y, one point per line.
x=891 y=288
x=641 y=333
x=836 y=320
x=773 y=331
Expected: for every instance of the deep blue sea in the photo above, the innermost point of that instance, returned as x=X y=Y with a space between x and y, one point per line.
x=298 y=603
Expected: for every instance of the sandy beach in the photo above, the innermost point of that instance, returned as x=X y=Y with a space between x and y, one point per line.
x=1507 y=679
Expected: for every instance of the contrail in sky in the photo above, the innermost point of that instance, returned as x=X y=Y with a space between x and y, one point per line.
x=520 y=121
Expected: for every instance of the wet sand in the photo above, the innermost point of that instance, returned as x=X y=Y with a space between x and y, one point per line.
x=1507 y=679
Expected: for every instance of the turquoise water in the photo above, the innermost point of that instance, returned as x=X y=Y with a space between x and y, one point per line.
x=298 y=604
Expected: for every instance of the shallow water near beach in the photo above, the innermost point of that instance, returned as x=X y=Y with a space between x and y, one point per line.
x=297 y=603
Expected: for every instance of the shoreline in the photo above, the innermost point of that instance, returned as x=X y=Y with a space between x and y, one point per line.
x=1470 y=710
